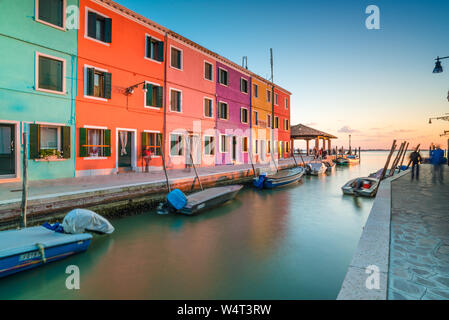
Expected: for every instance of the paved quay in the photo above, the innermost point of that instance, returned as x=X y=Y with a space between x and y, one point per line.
x=115 y=194
x=419 y=246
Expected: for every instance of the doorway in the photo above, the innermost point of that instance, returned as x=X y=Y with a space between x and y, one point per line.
x=193 y=146
x=7 y=151
x=234 y=148
x=125 y=139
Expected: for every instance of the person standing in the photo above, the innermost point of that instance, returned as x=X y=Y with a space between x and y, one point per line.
x=147 y=158
x=415 y=157
x=437 y=159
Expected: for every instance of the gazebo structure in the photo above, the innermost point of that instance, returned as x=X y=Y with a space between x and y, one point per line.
x=302 y=132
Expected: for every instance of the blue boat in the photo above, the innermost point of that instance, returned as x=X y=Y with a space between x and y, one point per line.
x=279 y=179
x=32 y=247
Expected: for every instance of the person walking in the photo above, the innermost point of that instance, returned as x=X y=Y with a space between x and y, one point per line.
x=437 y=160
x=416 y=159
x=147 y=158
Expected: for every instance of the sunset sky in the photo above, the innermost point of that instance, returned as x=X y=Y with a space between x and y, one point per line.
x=376 y=85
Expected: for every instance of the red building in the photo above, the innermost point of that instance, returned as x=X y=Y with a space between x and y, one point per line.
x=282 y=121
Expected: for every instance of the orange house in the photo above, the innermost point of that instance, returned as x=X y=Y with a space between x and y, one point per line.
x=191 y=109
x=282 y=121
x=120 y=98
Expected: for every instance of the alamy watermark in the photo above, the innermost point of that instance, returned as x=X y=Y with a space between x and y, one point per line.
x=372 y=22
x=373 y=280
x=72 y=282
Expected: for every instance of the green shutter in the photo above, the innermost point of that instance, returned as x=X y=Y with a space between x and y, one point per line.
x=159 y=143
x=107 y=85
x=149 y=95
x=92 y=25
x=34 y=141
x=148 y=52
x=144 y=140
x=83 y=142
x=90 y=81
x=107 y=141
x=178 y=58
x=160 y=97
x=178 y=100
x=66 y=142
x=108 y=30
x=160 y=51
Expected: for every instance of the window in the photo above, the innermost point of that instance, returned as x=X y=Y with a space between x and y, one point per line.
x=256 y=118
x=175 y=100
x=208 y=111
x=276 y=99
x=223 y=111
x=244 y=115
x=154 y=96
x=176 y=144
x=223 y=77
x=287 y=147
x=208 y=68
x=51 y=12
x=95 y=142
x=154 y=49
x=154 y=141
x=224 y=143
x=256 y=90
x=268 y=146
x=243 y=85
x=286 y=124
x=99 y=27
x=176 y=58
x=51 y=74
x=276 y=122
x=268 y=95
x=47 y=140
x=286 y=103
x=245 y=144
x=209 y=145
x=269 y=120
x=256 y=146
x=98 y=83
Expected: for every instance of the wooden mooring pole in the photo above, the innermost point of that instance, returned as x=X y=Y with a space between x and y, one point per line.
x=384 y=171
x=23 y=215
x=396 y=160
x=403 y=157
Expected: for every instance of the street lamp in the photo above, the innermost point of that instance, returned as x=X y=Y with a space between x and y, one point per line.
x=130 y=90
x=438 y=68
x=445 y=118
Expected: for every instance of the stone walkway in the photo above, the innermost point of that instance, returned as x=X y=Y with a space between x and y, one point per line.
x=419 y=247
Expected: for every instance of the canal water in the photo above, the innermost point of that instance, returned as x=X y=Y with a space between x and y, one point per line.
x=292 y=243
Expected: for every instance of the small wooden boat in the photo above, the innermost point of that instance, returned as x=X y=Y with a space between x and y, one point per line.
x=353 y=159
x=340 y=161
x=32 y=247
x=366 y=187
x=196 y=202
x=315 y=168
x=279 y=179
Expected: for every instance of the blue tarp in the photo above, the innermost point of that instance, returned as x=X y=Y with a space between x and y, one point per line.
x=177 y=199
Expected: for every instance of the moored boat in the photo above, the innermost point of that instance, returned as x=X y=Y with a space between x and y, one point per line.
x=340 y=161
x=330 y=166
x=196 y=202
x=315 y=168
x=365 y=186
x=279 y=179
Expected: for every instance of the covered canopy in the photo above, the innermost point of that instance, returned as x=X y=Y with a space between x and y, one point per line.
x=301 y=131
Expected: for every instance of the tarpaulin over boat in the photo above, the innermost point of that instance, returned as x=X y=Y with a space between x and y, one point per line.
x=82 y=220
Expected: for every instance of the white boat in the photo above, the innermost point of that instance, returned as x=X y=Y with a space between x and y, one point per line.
x=366 y=187
x=316 y=168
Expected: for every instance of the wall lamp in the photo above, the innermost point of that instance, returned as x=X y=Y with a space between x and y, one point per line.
x=130 y=90
x=438 y=68
x=445 y=118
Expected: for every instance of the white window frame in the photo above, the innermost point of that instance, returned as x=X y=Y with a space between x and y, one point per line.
x=227 y=109
x=204 y=145
x=58 y=135
x=219 y=78
x=212 y=104
x=64 y=14
x=269 y=120
x=269 y=95
x=241 y=115
x=256 y=146
x=256 y=123
x=204 y=70
x=146 y=48
x=182 y=58
x=64 y=73
x=256 y=92
x=169 y=101
x=276 y=99
x=97 y=128
x=241 y=84
x=286 y=125
x=145 y=98
x=156 y=132
x=183 y=142
x=276 y=122
x=286 y=103
x=220 y=143
x=86 y=66
x=86 y=25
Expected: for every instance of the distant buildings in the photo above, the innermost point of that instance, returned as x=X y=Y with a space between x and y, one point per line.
x=92 y=99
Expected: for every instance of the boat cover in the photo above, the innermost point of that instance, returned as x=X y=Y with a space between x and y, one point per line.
x=13 y=242
x=82 y=220
x=177 y=199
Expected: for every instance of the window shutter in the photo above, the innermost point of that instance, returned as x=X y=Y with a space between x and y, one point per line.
x=149 y=101
x=179 y=60
x=160 y=51
x=34 y=141
x=107 y=85
x=159 y=144
x=107 y=141
x=178 y=99
x=108 y=30
x=148 y=52
x=92 y=25
x=66 y=139
x=160 y=95
x=83 y=142
x=90 y=81
x=144 y=140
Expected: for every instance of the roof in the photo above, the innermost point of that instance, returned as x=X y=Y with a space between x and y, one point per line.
x=301 y=131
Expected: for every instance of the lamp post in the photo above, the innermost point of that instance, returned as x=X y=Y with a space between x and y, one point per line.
x=438 y=68
x=130 y=90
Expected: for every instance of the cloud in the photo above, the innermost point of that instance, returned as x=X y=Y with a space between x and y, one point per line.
x=347 y=129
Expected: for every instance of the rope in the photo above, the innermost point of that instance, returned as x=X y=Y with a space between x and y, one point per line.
x=42 y=252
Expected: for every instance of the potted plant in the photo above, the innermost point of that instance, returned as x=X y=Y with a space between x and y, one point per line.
x=49 y=154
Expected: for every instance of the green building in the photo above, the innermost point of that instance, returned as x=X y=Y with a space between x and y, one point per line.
x=38 y=63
